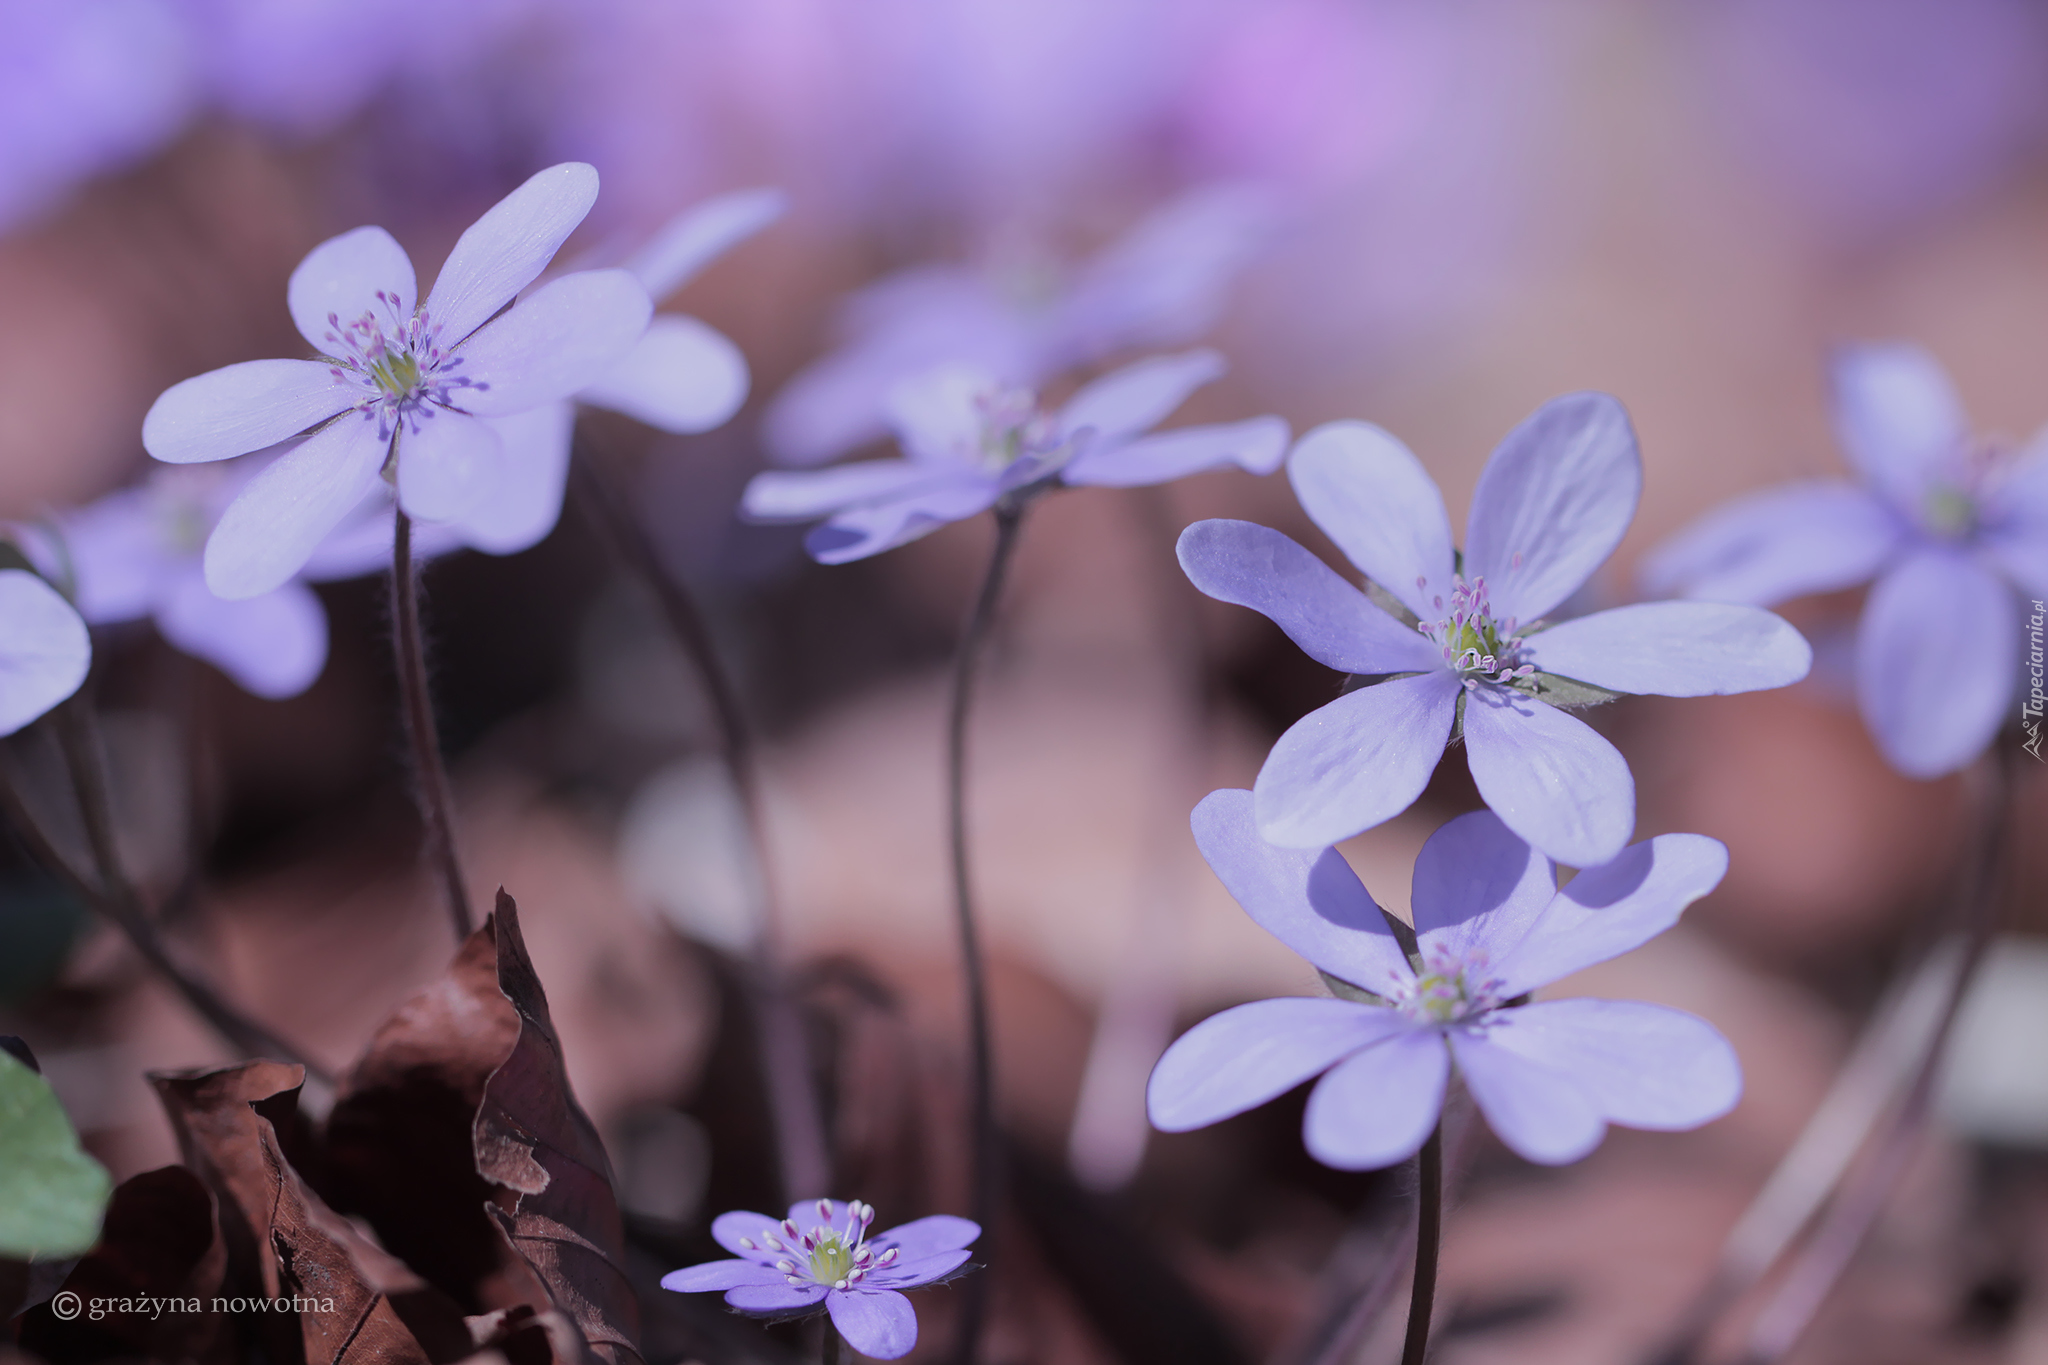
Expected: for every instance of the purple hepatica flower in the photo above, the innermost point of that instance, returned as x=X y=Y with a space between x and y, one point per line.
x=400 y=390
x=1162 y=284
x=1491 y=927
x=823 y=1253
x=45 y=649
x=971 y=441
x=1947 y=526
x=1551 y=505
x=136 y=553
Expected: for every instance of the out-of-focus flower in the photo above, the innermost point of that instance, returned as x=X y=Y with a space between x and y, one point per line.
x=971 y=441
x=402 y=390
x=1492 y=927
x=1947 y=525
x=1552 y=504
x=45 y=649
x=822 y=1253
x=137 y=552
x=1162 y=284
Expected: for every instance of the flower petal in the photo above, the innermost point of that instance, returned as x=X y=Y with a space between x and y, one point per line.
x=270 y=530
x=506 y=249
x=1937 y=654
x=728 y=1228
x=1537 y=1109
x=721 y=1275
x=802 y=495
x=1767 y=547
x=1674 y=649
x=1256 y=445
x=1642 y=1065
x=1335 y=624
x=239 y=408
x=775 y=1298
x=1478 y=886
x=1309 y=899
x=340 y=280
x=1137 y=397
x=696 y=237
x=911 y=1271
x=1608 y=910
x=520 y=506
x=447 y=466
x=937 y=415
x=116 y=560
x=1378 y=1107
x=1355 y=763
x=1239 y=1059
x=1548 y=776
x=561 y=338
x=1897 y=416
x=45 y=649
x=1372 y=497
x=927 y=1236
x=273 y=645
x=876 y=1322
x=862 y=531
x=1552 y=503
x=680 y=376
x=2015 y=533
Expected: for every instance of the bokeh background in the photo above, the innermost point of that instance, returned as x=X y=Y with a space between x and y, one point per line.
x=1466 y=207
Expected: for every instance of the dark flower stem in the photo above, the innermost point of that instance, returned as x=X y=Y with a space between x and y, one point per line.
x=430 y=775
x=804 y=1160
x=1429 y=1236
x=986 y=1179
x=830 y=1354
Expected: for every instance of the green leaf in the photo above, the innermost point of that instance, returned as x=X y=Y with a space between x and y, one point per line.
x=52 y=1194
x=1566 y=692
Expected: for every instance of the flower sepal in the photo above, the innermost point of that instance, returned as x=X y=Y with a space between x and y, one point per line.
x=1344 y=990
x=1567 y=694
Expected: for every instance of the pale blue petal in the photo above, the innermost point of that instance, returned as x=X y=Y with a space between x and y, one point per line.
x=1374 y=499
x=561 y=338
x=1478 y=886
x=876 y=1322
x=937 y=415
x=728 y=1228
x=775 y=1298
x=1256 y=445
x=1309 y=899
x=45 y=649
x=928 y=1236
x=2015 y=536
x=1335 y=624
x=1537 y=1110
x=448 y=465
x=114 y=552
x=1137 y=397
x=696 y=237
x=340 y=280
x=1897 y=416
x=506 y=249
x=1552 y=503
x=273 y=645
x=681 y=376
x=1609 y=910
x=1937 y=656
x=1674 y=649
x=909 y=1272
x=522 y=504
x=1640 y=1065
x=1378 y=1107
x=1239 y=1059
x=1355 y=763
x=717 y=1276
x=272 y=528
x=1777 y=544
x=239 y=408
x=803 y=495
x=1549 y=777
x=862 y=531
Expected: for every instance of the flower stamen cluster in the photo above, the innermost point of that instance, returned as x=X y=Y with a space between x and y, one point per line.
x=1476 y=646
x=399 y=360
x=838 y=1258
x=1013 y=427
x=1447 y=988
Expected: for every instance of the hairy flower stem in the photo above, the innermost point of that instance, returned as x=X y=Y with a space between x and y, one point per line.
x=115 y=896
x=1862 y=1198
x=985 y=1176
x=430 y=775
x=803 y=1157
x=1429 y=1236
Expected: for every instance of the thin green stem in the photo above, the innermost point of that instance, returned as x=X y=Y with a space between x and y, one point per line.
x=430 y=776
x=1429 y=1236
x=985 y=1176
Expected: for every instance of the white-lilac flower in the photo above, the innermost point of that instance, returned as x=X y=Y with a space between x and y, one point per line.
x=825 y=1253
x=137 y=552
x=1475 y=653
x=1161 y=284
x=1491 y=926
x=971 y=440
x=401 y=390
x=45 y=649
x=1952 y=531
